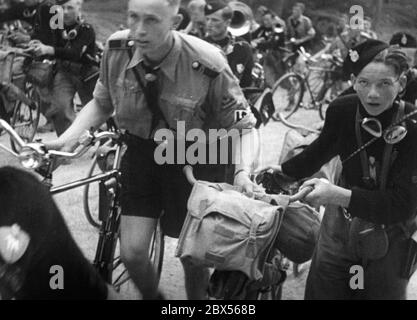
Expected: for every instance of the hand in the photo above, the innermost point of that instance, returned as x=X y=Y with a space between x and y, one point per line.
x=297 y=42
x=272 y=167
x=39 y=49
x=248 y=187
x=58 y=145
x=254 y=43
x=323 y=193
x=19 y=37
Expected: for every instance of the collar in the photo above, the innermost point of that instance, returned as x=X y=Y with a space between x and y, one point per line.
x=226 y=44
x=385 y=117
x=168 y=65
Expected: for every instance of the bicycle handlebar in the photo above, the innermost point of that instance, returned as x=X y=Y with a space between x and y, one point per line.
x=301 y=194
x=13 y=134
x=85 y=142
x=38 y=148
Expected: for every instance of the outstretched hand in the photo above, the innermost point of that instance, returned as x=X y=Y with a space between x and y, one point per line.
x=248 y=187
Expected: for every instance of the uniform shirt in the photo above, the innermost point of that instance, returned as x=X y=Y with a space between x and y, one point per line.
x=78 y=48
x=37 y=16
x=398 y=202
x=240 y=58
x=272 y=39
x=195 y=83
x=299 y=28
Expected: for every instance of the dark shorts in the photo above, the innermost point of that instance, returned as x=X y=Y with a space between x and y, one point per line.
x=150 y=189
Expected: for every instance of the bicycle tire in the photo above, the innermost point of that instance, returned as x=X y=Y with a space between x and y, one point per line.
x=108 y=260
x=86 y=198
x=116 y=272
x=316 y=82
x=281 y=89
x=25 y=119
x=3 y=113
x=329 y=95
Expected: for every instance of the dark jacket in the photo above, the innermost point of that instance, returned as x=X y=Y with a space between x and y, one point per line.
x=240 y=57
x=37 y=16
x=27 y=203
x=398 y=203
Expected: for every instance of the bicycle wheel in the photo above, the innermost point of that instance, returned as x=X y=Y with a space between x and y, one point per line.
x=3 y=113
x=316 y=83
x=287 y=94
x=25 y=117
x=102 y=161
x=118 y=275
x=329 y=95
x=90 y=203
x=108 y=259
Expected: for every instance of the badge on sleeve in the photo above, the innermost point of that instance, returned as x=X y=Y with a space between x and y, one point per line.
x=354 y=55
x=13 y=243
x=240 y=68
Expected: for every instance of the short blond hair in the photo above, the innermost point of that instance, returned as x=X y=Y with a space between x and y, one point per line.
x=175 y=4
x=196 y=4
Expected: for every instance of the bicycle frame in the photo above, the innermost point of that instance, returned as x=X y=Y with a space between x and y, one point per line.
x=109 y=229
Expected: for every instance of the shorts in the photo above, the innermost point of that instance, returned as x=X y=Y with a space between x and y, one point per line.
x=150 y=189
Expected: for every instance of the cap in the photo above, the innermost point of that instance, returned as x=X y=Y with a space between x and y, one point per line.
x=404 y=40
x=361 y=55
x=213 y=6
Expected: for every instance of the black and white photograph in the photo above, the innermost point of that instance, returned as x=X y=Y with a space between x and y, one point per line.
x=208 y=150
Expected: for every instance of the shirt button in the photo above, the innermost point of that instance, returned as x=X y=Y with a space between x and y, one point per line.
x=196 y=65
x=131 y=43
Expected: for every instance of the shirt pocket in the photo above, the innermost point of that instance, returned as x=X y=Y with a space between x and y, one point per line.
x=178 y=109
x=128 y=98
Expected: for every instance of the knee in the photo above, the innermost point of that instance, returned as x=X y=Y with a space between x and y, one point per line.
x=191 y=268
x=134 y=254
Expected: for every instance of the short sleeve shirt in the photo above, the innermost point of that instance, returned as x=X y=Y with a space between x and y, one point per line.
x=299 y=28
x=195 y=83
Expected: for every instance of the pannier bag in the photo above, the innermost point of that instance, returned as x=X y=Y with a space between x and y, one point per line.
x=40 y=73
x=299 y=231
x=227 y=230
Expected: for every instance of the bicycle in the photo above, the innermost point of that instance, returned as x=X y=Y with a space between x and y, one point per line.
x=20 y=102
x=320 y=79
x=107 y=260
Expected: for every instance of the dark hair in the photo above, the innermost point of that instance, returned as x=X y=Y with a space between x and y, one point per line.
x=394 y=58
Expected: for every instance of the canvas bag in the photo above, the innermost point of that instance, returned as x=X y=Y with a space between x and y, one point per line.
x=40 y=73
x=227 y=230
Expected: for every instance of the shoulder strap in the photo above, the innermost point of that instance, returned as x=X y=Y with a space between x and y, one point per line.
x=152 y=102
x=386 y=159
x=386 y=162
